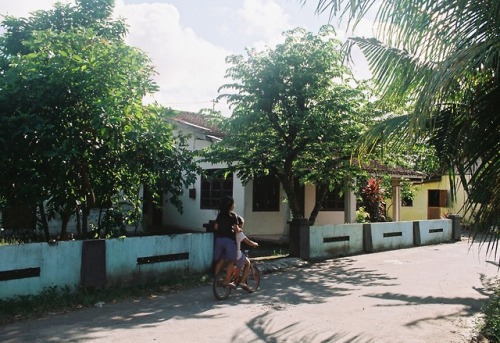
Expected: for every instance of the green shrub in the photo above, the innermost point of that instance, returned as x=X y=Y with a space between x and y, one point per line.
x=491 y=328
x=362 y=216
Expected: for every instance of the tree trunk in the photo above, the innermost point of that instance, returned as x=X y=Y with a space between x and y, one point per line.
x=89 y=200
x=322 y=191
x=65 y=217
x=291 y=193
x=78 y=223
x=85 y=218
x=44 y=222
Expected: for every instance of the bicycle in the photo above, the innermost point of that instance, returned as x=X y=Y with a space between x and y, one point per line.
x=222 y=292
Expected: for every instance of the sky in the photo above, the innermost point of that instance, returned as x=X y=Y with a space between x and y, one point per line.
x=188 y=40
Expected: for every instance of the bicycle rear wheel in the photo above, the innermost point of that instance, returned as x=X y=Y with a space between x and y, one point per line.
x=221 y=292
x=253 y=279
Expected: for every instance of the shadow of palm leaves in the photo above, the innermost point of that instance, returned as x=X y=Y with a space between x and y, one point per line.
x=315 y=283
x=312 y=285
x=264 y=330
x=471 y=305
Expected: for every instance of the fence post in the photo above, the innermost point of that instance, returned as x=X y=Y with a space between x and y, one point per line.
x=416 y=234
x=299 y=238
x=94 y=263
x=456 y=227
x=367 y=238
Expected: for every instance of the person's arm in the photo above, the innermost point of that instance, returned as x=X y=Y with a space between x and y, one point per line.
x=249 y=242
x=236 y=228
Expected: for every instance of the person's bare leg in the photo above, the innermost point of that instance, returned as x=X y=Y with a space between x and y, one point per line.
x=246 y=269
x=244 y=277
x=218 y=266
x=229 y=271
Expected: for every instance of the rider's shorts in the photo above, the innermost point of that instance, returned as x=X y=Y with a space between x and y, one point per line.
x=225 y=248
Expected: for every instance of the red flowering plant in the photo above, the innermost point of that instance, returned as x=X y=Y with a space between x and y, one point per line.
x=373 y=200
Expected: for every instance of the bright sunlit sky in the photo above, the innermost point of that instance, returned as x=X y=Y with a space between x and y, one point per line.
x=188 y=40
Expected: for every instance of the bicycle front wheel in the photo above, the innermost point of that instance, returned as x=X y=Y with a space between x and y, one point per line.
x=221 y=292
x=253 y=279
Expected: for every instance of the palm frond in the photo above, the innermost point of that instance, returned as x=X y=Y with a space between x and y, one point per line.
x=442 y=57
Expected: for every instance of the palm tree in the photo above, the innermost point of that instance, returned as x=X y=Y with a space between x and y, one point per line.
x=442 y=59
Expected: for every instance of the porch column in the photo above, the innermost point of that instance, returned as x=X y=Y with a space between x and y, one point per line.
x=349 y=206
x=349 y=202
x=396 y=199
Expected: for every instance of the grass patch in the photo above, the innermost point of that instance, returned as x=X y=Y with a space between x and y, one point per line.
x=491 y=327
x=271 y=250
x=61 y=300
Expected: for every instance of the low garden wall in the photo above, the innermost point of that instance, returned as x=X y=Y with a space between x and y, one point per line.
x=349 y=239
x=336 y=240
x=26 y=269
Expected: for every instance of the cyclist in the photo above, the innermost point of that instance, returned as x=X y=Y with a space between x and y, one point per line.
x=243 y=262
x=226 y=225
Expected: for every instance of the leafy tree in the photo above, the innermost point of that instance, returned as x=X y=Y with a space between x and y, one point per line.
x=73 y=129
x=443 y=57
x=296 y=115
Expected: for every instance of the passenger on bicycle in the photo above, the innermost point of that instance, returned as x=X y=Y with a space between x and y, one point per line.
x=243 y=262
x=226 y=225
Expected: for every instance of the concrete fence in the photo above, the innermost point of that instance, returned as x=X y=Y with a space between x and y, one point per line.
x=336 y=240
x=27 y=269
x=349 y=239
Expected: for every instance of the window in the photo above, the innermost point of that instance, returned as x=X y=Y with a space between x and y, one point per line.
x=437 y=198
x=406 y=201
x=266 y=194
x=332 y=201
x=213 y=188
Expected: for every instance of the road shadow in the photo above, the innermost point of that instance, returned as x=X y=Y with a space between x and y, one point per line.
x=313 y=284
x=264 y=330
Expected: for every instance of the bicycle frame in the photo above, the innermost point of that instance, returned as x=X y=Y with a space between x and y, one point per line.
x=222 y=292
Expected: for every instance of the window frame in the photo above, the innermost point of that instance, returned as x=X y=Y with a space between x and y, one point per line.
x=406 y=202
x=266 y=194
x=214 y=188
x=439 y=198
x=336 y=201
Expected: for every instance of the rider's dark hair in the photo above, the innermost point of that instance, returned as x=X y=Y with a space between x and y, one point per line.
x=225 y=204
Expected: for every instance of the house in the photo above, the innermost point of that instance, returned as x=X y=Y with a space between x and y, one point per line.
x=261 y=201
x=433 y=200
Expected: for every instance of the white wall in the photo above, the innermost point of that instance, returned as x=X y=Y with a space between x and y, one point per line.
x=382 y=239
x=193 y=217
x=326 y=241
x=265 y=223
x=59 y=266
x=324 y=217
x=256 y=223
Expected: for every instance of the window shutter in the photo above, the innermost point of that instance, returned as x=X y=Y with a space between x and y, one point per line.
x=443 y=198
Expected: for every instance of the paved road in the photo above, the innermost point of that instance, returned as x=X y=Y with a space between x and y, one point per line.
x=425 y=294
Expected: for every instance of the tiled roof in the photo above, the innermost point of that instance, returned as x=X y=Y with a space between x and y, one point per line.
x=375 y=167
x=197 y=122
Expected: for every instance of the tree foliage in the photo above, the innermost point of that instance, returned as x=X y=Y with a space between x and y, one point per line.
x=73 y=131
x=296 y=114
x=442 y=57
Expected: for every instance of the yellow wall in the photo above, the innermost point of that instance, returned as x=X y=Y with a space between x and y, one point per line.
x=419 y=209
